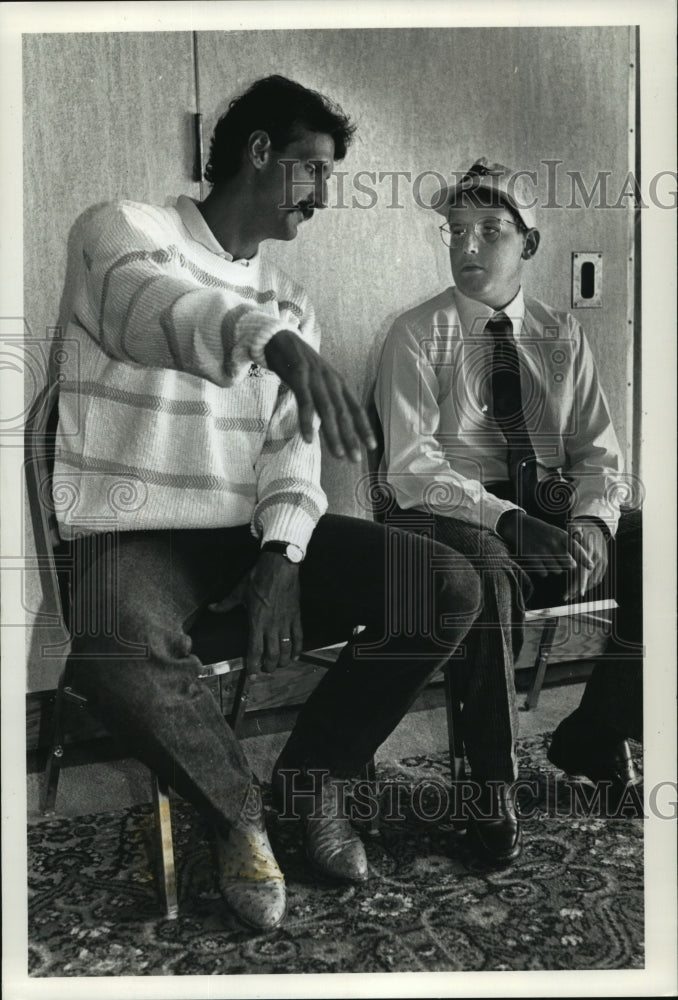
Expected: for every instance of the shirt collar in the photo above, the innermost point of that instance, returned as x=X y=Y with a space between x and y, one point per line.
x=474 y=315
x=197 y=228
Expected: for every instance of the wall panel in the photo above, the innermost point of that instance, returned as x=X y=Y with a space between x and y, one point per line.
x=108 y=115
x=105 y=116
x=433 y=100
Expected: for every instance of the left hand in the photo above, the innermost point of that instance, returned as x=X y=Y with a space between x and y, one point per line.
x=270 y=593
x=320 y=389
x=592 y=538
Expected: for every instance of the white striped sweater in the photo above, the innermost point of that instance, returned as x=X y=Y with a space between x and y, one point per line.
x=168 y=417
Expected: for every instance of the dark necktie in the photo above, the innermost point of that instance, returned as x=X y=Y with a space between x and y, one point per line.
x=507 y=409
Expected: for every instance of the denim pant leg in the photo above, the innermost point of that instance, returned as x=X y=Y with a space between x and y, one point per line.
x=132 y=657
x=416 y=600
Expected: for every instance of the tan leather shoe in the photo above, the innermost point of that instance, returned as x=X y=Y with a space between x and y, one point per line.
x=332 y=846
x=249 y=877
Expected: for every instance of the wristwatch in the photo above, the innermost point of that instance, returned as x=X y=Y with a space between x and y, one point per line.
x=289 y=550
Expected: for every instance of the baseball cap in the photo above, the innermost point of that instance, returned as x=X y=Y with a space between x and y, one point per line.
x=509 y=185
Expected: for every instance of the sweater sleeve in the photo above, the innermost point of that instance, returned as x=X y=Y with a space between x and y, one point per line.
x=145 y=301
x=290 y=500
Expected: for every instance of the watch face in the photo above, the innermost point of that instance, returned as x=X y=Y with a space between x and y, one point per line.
x=294 y=553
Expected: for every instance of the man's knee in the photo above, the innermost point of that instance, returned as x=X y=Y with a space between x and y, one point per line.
x=498 y=572
x=132 y=635
x=494 y=592
x=483 y=548
x=158 y=658
x=493 y=552
x=458 y=591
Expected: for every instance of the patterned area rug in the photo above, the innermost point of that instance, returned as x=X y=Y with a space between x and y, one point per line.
x=574 y=900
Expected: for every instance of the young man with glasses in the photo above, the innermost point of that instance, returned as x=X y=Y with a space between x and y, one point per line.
x=498 y=441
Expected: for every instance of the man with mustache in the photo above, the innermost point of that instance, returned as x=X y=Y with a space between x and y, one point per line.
x=499 y=442
x=199 y=391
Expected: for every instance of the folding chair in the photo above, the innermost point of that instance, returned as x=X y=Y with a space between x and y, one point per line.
x=55 y=565
x=68 y=697
x=549 y=619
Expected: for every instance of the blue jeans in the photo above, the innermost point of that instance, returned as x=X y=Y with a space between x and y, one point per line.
x=140 y=629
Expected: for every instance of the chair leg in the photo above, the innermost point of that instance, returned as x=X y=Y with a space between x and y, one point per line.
x=370 y=775
x=65 y=696
x=163 y=822
x=239 y=701
x=454 y=731
x=546 y=641
x=56 y=752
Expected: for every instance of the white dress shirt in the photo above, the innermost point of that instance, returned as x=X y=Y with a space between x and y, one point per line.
x=433 y=396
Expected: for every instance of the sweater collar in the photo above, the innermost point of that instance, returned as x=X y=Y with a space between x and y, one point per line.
x=198 y=230
x=474 y=315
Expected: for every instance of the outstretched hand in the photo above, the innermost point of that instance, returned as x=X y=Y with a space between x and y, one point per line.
x=270 y=592
x=318 y=388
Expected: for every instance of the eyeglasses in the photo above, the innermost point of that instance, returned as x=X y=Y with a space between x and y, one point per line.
x=487 y=230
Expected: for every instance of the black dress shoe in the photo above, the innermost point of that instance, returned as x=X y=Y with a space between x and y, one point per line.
x=585 y=758
x=493 y=828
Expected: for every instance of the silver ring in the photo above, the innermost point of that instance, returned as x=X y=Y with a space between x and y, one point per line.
x=286 y=640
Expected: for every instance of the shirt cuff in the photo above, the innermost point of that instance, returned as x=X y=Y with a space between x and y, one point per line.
x=474 y=505
x=598 y=510
x=282 y=522
x=497 y=508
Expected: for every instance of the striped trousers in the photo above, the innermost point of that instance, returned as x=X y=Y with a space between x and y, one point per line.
x=612 y=703
x=484 y=664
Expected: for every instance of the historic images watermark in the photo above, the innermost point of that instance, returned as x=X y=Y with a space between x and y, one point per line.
x=434 y=800
x=551 y=186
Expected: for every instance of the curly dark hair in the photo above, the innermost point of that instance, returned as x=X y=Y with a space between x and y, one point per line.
x=281 y=108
